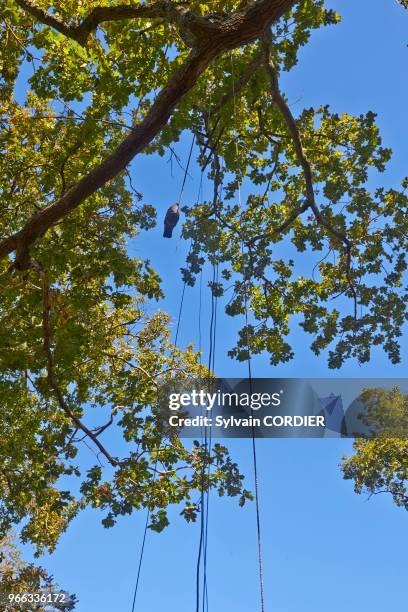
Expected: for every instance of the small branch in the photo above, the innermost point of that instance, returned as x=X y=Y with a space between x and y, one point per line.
x=135 y=366
x=50 y=370
x=99 y=430
x=284 y=226
x=264 y=131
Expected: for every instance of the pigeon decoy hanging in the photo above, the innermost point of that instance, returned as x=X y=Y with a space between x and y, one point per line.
x=171 y=220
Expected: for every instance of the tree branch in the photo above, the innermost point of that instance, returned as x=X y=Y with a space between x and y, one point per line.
x=243 y=26
x=50 y=372
x=80 y=32
x=304 y=162
x=236 y=30
x=283 y=226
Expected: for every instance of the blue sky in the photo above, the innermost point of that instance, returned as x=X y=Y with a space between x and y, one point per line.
x=324 y=547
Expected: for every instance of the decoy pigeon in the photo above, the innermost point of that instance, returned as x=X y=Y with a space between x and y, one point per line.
x=171 y=220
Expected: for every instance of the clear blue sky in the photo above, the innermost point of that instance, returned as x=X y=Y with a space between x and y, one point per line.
x=324 y=547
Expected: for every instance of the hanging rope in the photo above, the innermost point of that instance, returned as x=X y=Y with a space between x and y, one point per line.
x=140 y=560
x=200 y=308
x=205 y=494
x=179 y=201
x=141 y=556
x=206 y=439
x=254 y=456
x=139 y=569
x=186 y=170
x=212 y=369
x=204 y=501
x=254 y=451
x=180 y=312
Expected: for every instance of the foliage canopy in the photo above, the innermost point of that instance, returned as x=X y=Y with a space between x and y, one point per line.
x=381 y=465
x=104 y=82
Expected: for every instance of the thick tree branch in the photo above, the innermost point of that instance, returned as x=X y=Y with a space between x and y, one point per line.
x=180 y=83
x=169 y=11
x=236 y=30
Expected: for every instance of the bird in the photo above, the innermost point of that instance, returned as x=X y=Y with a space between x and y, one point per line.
x=171 y=220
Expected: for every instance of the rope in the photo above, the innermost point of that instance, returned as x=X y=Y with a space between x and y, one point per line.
x=205 y=499
x=186 y=170
x=206 y=440
x=205 y=496
x=200 y=307
x=205 y=585
x=255 y=463
x=254 y=452
x=179 y=202
x=140 y=560
x=141 y=556
x=139 y=569
x=180 y=311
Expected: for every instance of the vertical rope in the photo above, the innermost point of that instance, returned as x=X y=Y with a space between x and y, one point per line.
x=180 y=312
x=141 y=559
x=254 y=452
x=141 y=556
x=202 y=549
x=186 y=170
x=212 y=368
x=139 y=569
x=206 y=441
x=200 y=307
x=255 y=460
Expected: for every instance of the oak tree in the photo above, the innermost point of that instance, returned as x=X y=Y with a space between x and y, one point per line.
x=85 y=87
